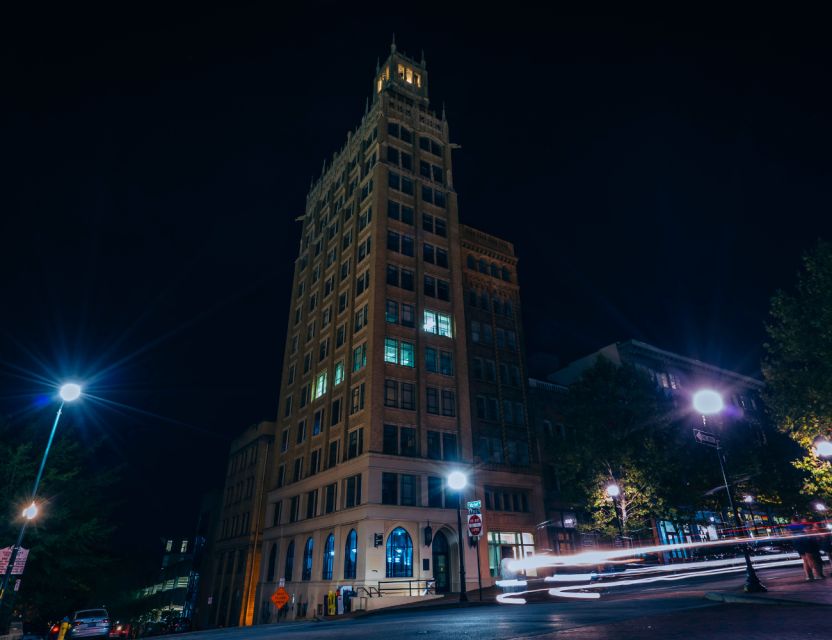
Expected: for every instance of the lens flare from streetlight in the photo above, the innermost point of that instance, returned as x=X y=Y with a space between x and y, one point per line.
x=707 y=402
x=819 y=506
x=457 y=480
x=31 y=511
x=70 y=391
x=824 y=448
x=748 y=499
x=613 y=490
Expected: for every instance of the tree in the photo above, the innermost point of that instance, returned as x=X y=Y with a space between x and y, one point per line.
x=625 y=431
x=69 y=541
x=797 y=365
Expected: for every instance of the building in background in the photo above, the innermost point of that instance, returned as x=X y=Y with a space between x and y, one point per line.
x=375 y=401
x=172 y=595
x=228 y=593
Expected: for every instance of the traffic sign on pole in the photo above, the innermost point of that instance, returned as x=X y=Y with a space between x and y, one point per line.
x=703 y=437
x=474 y=524
x=280 y=598
x=474 y=505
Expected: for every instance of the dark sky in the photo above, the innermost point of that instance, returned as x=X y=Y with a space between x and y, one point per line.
x=659 y=175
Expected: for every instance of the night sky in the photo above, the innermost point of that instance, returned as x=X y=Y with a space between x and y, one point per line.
x=660 y=177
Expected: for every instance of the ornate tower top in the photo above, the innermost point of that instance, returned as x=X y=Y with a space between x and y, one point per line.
x=402 y=72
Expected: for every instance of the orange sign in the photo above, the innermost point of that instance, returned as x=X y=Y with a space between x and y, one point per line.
x=280 y=598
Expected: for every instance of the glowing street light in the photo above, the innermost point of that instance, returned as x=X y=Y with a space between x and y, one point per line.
x=30 y=512
x=458 y=481
x=820 y=507
x=709 y=402
x=68 y=393
x=823 y=448
x=613 y=490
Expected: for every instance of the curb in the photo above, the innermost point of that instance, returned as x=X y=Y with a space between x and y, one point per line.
x=741 y=598
x=414 y=608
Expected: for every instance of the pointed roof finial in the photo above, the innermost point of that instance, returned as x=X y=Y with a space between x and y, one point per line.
x=423 y=63
x=393 y=45
x=443 y=111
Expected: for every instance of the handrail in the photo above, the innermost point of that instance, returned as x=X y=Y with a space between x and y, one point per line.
x=368 y=591
x=411 y=587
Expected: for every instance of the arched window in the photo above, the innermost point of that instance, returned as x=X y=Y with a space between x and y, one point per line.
x=272 y=561
x=306 y=572
x=329 y=557
x=350 y=555
x=399 y=554
x=290 y=561
x=495 y=272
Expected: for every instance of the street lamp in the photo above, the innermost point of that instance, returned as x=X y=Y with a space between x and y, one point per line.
x=709 y=402
x=749 y=500
x=613 y=492
x=823 y=448
x=458 y=481
x=68 y=392
x=819 y=507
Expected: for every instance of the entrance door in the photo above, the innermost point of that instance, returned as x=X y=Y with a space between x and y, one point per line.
x=441 y=563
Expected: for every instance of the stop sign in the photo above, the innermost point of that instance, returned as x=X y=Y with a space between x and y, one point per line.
x=474 y=524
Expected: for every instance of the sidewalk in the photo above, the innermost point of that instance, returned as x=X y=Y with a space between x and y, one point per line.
x=788 y=590
x=449 y=601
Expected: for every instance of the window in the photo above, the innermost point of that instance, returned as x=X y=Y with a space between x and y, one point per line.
x=434 y=225
x=293 y=509
x=435 y=492
x=361 y=317
x=306 y=571
x=399 y=554
x=350 y=555
x=301 y=435
x=291 y=375
x=408 y=490
x=329 y=557
x=448 y=402
x=436 y=288
x=281 y=475
x=400 y=277
x=329 y=498
x=362 y=283
x=359 y=357
x=314 y=462
x=390 y=440
x=391 y=312
x=276 y=513
x=446 y=363
x=432 y=400
x=343 y=299
x=449 y=447
x=332 y=460
x=399 y=352
x=287 y=406
x=408 y=442
x=335 y=412
x=400 y=243
x=298 y=471
x=339 y=373
x=272 y=562
x=431 y=360
x=357 y=398
x=391 y=393
x=389 y=488
x=352 y=491
x=290 y=561
x=435 y=255
x=320 y=385
x=355 y=443
x=311 y=504
x=364 y=250
x=284 y=441
x=400 y=212
x=345 y=270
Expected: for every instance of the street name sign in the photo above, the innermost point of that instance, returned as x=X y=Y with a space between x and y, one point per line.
x=703 y=437
x=475 y=505
x=19 y=561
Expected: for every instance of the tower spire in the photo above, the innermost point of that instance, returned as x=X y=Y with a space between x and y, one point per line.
x=393 y=45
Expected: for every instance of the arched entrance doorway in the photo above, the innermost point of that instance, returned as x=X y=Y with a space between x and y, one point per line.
x=441 y=563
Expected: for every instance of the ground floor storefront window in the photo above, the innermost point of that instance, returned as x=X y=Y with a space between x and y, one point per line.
x=506 y=546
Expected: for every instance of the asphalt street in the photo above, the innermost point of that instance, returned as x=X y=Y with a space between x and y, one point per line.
x=636 y=612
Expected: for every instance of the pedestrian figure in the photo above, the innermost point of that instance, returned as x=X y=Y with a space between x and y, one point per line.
x=814 y=547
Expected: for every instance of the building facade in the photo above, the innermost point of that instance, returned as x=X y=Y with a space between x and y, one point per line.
x=375 y=401
x=230 y=580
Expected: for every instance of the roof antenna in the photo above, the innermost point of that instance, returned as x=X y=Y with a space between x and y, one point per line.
x=393 y=46
x=443 y=111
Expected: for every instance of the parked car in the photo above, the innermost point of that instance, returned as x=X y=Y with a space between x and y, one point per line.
x=180 y=625
x=154 y=629
x=90 y=623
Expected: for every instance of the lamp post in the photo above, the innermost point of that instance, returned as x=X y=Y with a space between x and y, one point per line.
x=68 y=393
x=708 y=402
x=613 y=492
x=749 y=500
x=457 y=481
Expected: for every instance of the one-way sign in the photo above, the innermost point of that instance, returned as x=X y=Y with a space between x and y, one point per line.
x=703 y=437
